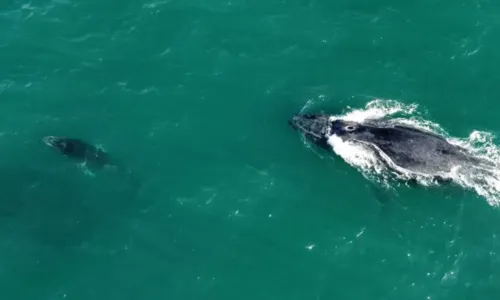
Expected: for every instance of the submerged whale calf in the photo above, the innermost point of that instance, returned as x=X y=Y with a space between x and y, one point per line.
x=78 y=150
x=90 y=156
x=401 y=148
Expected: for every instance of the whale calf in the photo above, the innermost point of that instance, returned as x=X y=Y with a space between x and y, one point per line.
x=79 y=150
x=403 y=149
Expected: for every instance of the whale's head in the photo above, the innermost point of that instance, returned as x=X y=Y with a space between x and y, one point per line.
x=319 y=127
x=315 y=127
x=55 y=142
x=62 y=144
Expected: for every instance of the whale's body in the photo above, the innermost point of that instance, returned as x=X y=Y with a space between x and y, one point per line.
x=401 y=148
x=79 y=150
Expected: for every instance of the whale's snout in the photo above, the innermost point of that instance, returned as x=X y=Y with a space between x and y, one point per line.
x=302 y=121
x=313 y=126
x=56 y=142
x=310 y=124
x=293 y=121
x=49 y=140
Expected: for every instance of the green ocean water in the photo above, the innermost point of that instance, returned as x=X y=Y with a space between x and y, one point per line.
x=194 y=97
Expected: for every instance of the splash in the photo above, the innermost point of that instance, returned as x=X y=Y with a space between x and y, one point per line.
x=377 y=109
x=483 y=179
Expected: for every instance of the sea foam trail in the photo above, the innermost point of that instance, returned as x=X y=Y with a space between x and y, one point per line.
x=484 y=180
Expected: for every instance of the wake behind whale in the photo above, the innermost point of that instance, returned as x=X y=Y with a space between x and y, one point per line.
x=405 y=148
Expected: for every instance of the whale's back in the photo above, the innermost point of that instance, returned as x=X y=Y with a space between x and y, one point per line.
x=415 y=150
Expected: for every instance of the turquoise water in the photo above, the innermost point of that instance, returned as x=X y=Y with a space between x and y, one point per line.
x=194 y=97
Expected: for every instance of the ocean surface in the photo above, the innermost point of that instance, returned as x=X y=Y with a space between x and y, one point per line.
x=226 y=200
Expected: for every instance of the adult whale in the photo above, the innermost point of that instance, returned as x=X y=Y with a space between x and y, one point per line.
x=407 y=151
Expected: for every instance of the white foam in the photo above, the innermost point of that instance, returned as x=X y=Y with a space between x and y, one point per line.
x=484 y=180
x=356 y=154
x=376 y=109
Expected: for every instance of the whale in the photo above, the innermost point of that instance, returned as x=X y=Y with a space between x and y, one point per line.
x=79 y=150
x=407 y=151
x=89 y=156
